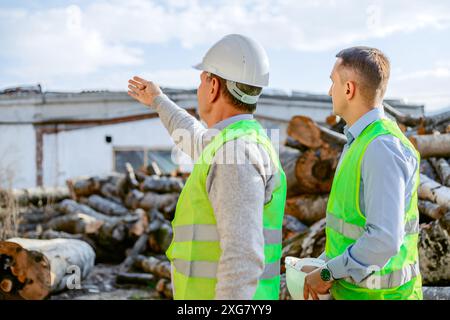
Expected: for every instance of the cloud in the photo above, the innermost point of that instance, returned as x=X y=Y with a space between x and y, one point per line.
x=428 y=86
x=95 y=44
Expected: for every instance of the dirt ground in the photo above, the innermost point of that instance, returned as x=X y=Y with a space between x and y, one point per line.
x=101 y=285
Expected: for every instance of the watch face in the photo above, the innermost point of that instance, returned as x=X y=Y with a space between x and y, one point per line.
x=325 y=275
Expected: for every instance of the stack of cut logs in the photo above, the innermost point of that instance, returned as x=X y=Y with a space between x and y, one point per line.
x=116 y=219
x=124 y=219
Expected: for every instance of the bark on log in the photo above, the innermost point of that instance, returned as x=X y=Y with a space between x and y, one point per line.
x=86 y=186
x=436 y=293
x=433 y=191
x=76 y=223
x=443 y=170
x=288 y=159
x=35 y=268
x=332 y=137
x=307 y=208
x=427 y=169
x=105 y=206
x=406 y=119
x=431 y=145
x=311 y=135
x=139 y=246
x=315 y=169
x=113 y=235
x=431 y=210
x=309 y=243
x=40 y=195
x=164 y=287
x=158 y=201
x=305 y=131
x=294 y=144
x=434 y=252
x=135 y=278
x=159 y=268
x=162 y=184
x=292 y=227
x=336 y=123
x=159 y=241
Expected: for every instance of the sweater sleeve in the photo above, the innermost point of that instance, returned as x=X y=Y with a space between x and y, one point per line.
x=189 y=134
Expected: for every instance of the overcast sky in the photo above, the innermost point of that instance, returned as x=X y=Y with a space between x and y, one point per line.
x=87 y=45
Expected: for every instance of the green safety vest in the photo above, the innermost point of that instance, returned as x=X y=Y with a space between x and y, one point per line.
x=400 y=278
x=195 y=249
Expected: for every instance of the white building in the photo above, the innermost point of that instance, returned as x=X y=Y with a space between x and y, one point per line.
x=48 y=137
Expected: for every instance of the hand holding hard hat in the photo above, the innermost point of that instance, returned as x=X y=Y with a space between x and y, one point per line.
x=295 y=277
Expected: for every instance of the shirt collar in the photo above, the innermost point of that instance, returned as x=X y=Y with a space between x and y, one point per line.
x=355 y=130
x=226 y=122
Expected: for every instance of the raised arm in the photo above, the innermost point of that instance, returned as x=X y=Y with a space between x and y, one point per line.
x=187 y=132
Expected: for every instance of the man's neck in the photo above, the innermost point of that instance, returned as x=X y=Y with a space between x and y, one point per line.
x=355 y=114
x=222 y=112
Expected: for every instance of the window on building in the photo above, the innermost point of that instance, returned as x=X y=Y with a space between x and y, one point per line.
x=144 y=159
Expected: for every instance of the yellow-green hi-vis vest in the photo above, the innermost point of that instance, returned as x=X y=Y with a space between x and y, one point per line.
x=195 y=249
x=400 y=277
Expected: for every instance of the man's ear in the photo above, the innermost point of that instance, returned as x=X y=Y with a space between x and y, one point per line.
x=350 y=90
x=214 y=91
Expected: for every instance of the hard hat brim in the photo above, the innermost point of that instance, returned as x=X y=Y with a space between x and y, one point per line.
x=199 y=66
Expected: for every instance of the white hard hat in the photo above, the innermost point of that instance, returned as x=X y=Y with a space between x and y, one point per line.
x=238 y=58
x=295 y=278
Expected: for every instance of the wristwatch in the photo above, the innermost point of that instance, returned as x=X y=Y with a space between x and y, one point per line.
x=325 y=274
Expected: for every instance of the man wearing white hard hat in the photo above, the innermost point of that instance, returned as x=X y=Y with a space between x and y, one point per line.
x=228 y=221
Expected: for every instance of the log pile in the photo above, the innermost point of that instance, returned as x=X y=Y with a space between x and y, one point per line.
x=124 y=219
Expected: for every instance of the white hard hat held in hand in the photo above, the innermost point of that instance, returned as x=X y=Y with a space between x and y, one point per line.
x=238 y=59
x=295 y=278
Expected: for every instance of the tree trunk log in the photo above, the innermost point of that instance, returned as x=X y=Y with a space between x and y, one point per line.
x=433 y=191
x=36 y=268
x=427 y=169
x=432 y=210
x=159 y=268
x=164 y=287
x=288 y=159
x=292 y=227
x=315 y=169
x=443 y=170
x=307 y=208
x=431 y=145
x=407 y=120
x=332 y=137
x=162 y=184
x=434 y=252
x=105 y=206
x=40 y=195
x=436 y=293
x=158 y=201
x=135 y=278
x=305 y=131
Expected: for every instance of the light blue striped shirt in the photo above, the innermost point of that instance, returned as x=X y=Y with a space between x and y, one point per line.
x=387 y=182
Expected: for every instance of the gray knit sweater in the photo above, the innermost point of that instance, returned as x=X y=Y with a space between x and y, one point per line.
x=237 y=189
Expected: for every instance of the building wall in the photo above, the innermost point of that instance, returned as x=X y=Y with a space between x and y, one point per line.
x=17 y=156
x=69 y=154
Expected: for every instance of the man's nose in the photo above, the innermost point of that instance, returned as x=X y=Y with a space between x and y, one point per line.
x=329 y=92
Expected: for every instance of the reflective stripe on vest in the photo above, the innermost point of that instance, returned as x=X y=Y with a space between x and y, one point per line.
x=207 y=269
x=208 y=232
x=352 y=231
x=391 y=280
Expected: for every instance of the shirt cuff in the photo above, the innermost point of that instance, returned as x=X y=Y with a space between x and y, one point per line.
x=158 y=100
x=338 y=267
x=345 y=265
